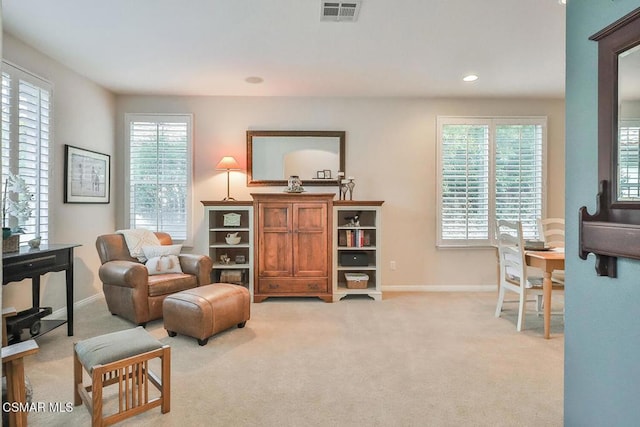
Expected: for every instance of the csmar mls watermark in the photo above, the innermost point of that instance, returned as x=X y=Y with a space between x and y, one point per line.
x=37 y=407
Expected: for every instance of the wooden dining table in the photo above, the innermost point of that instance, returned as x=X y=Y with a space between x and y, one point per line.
x=547 y=261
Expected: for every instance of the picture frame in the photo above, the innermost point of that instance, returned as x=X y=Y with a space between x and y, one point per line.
x=327 y=174
x=320 y=175
x=87 y=176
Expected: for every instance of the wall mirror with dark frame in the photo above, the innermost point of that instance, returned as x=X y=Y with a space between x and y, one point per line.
x=614 y=229
x=314 y=156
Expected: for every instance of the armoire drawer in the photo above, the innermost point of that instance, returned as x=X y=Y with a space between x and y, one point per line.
x=287 y=285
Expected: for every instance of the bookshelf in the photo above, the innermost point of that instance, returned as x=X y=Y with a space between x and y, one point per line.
x=224 y=218
x=356 y=247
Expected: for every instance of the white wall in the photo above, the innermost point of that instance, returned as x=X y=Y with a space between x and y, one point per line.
x=83 y=116
x=390 y=150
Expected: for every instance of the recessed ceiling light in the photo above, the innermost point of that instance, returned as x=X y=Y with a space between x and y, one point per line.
x=470 y=78
x=254 y=79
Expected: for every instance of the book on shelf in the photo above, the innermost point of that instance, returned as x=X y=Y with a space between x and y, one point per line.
x=356 y=238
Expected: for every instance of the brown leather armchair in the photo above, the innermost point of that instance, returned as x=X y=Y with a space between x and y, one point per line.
x=128 y=288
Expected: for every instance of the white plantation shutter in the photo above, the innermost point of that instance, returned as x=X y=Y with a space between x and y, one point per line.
x=26 y=139
x=629 y=160
x=489 y=168
x=159 y=173
x=465 y=182
x=518 y=172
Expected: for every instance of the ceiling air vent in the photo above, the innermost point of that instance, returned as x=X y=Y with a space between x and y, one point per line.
x=340 y=11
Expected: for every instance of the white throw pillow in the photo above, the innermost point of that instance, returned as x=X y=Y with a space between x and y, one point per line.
x=136 y=239
x=156 y=251
x=162 y=259
x=163 y=264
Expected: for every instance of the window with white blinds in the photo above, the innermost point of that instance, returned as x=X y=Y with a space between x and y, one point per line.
x=489 y=169
x=629 y=160
x=26 y=140
x=159 y=173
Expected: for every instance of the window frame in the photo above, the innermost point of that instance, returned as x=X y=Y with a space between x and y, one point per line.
x=161 y=117
x=492 y=122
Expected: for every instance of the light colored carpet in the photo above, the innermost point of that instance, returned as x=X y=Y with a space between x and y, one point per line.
x=413 y=359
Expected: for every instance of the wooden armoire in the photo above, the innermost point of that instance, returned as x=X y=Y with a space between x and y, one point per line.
x=292 y=245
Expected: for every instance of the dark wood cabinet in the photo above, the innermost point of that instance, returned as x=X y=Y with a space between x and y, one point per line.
x=293 y=245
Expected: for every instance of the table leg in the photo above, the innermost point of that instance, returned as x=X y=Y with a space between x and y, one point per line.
x=69 y=277
x=546 y=298
x=35 y=292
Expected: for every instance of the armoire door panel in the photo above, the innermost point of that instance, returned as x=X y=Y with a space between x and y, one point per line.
x=275 y=254
x=275 y=217
x=309 y=217
x=310 y=254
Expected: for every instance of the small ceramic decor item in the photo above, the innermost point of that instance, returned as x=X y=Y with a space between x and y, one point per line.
x=34 y=243
x=232 y=239
x=294 y=185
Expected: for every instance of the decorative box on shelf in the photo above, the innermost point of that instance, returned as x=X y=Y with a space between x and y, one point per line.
x=356 y=280
x=11 y=243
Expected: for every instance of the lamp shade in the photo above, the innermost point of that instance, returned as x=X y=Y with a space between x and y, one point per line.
x=228 y=163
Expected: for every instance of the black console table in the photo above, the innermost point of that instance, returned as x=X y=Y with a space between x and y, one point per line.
x=30 y=263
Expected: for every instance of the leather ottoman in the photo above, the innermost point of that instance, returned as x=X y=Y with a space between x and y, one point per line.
x=206 y=310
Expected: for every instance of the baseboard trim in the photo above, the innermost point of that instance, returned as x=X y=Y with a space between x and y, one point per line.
x=440 y=288
x=61 y=313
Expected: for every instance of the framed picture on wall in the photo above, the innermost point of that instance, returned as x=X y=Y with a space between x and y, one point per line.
x=87 y=176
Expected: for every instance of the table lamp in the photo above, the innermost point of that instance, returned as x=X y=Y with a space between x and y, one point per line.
x=228 y=163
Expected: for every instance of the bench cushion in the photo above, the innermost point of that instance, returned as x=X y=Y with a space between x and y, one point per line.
x=115 y=346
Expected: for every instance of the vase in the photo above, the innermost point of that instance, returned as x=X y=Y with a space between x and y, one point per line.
x=6 y=233
x=343 y=189
x=350 y=186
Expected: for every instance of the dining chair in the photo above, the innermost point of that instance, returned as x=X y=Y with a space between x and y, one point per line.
x=551 y=231
x=513 y=270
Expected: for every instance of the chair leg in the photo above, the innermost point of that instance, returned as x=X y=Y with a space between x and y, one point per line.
x=500 y=301
x=77 y=378
x=166 y=380
x=14 y=371
x=96 y=397
x=521 y=308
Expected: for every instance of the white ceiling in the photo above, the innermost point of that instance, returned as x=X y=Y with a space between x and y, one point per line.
x=412 y=48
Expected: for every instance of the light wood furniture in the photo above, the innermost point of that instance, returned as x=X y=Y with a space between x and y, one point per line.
x=121 y=358
x=293 y=245
x=218 y=216
x=513 y=272
x=548 y=262
x=365 y=236
x=13 y=370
